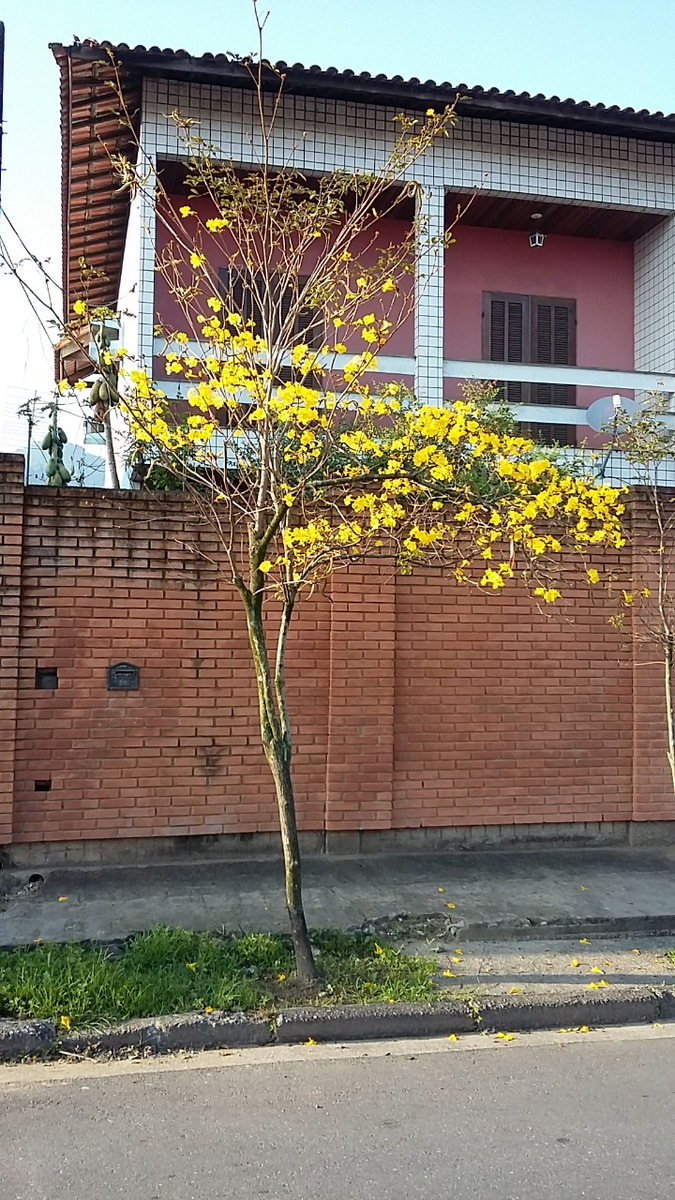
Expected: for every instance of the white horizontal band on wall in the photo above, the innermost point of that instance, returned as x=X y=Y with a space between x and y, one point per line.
x=552 y=414
x=467 y=368
x=597 y=377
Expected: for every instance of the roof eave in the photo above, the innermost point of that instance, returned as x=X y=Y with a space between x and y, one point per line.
x=223 y=71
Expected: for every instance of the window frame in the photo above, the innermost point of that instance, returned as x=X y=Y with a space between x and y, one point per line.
x=529 y=392
x=529 y=325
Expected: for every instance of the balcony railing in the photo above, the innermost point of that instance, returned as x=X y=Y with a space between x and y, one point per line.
x=611 y=466
x=595 y=377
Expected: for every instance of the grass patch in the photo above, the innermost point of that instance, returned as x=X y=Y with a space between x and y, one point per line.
x=175 y=970
x=670 y=955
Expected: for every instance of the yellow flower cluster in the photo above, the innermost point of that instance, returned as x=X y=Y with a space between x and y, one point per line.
x=359 y=469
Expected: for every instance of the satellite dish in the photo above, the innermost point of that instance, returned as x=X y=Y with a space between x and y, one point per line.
x=601 y=412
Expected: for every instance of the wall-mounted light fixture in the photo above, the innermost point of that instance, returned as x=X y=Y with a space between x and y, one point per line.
x=537 y=238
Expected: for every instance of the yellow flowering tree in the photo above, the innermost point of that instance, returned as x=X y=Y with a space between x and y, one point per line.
x=287 y=440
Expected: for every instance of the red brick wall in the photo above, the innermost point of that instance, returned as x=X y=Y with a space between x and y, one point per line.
x=506 y=715
x=11 y=538
x=652 y=785
x=107 y=577
x=415 y=702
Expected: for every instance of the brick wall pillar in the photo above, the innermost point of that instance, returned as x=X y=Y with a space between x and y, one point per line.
x=359 y=771
x=653 y=798
x=11 y=539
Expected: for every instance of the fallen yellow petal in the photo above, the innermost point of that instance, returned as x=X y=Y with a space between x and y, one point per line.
x=514 y=991
x=208 y=1009
x=603 y=983
x=449 y=974
x=457 y=960
x=575 y=962
x=583 y=1029
x=441 y=889
x=584 y=942
x=310 y=1042
x=505 y=1037
x=280 y=977
x=596 y=970
x=62 y=898
x=564 y=1031
x=458 y=950
x=448 y=905
x=65 y=1022
x=584 y=889
x=379 y=949
x=452 y=1037
x=636 y=952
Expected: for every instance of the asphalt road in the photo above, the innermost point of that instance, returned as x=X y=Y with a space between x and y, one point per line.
x=591 y=1116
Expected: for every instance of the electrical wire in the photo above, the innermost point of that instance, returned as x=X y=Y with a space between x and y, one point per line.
x=33 y=257
x=27 y=289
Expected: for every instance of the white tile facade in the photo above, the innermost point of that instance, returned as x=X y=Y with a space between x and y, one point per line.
x=655 y=299
x=317 y=135
x=429 y=298
x=321 y=135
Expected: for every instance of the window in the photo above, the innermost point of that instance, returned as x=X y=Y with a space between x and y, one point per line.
x=94 y=430
x=533 y=329
x=244 y=296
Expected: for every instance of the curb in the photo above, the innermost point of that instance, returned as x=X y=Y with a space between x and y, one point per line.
x=369 y=1022
x=535 y=928
x=342 y=1023
x=521 y=929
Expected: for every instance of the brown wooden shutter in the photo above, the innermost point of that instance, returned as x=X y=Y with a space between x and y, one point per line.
x=533 y=329
x=308 y=328
x=309 y=323
x=506 y=336
x=548 y=434
x=553 y=327
x=234 y=294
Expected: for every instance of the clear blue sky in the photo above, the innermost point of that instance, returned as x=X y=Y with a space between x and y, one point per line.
x=614 y=51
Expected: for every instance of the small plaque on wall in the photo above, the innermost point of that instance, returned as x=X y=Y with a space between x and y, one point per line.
x=123 y=677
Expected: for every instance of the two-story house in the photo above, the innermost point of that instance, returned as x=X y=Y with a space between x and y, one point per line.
x=559 y=284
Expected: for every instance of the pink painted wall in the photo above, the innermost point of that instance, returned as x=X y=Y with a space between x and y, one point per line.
x=597 y=274
x=389 y=231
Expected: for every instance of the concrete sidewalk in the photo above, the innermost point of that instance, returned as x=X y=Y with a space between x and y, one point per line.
x=479 y=894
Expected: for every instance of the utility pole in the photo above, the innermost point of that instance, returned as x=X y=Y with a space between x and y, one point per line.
x=27 y=410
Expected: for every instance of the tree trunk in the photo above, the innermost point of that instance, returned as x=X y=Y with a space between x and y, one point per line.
x=283 y=783
x=668 y=687
x=110 y=450
x=277 y=746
